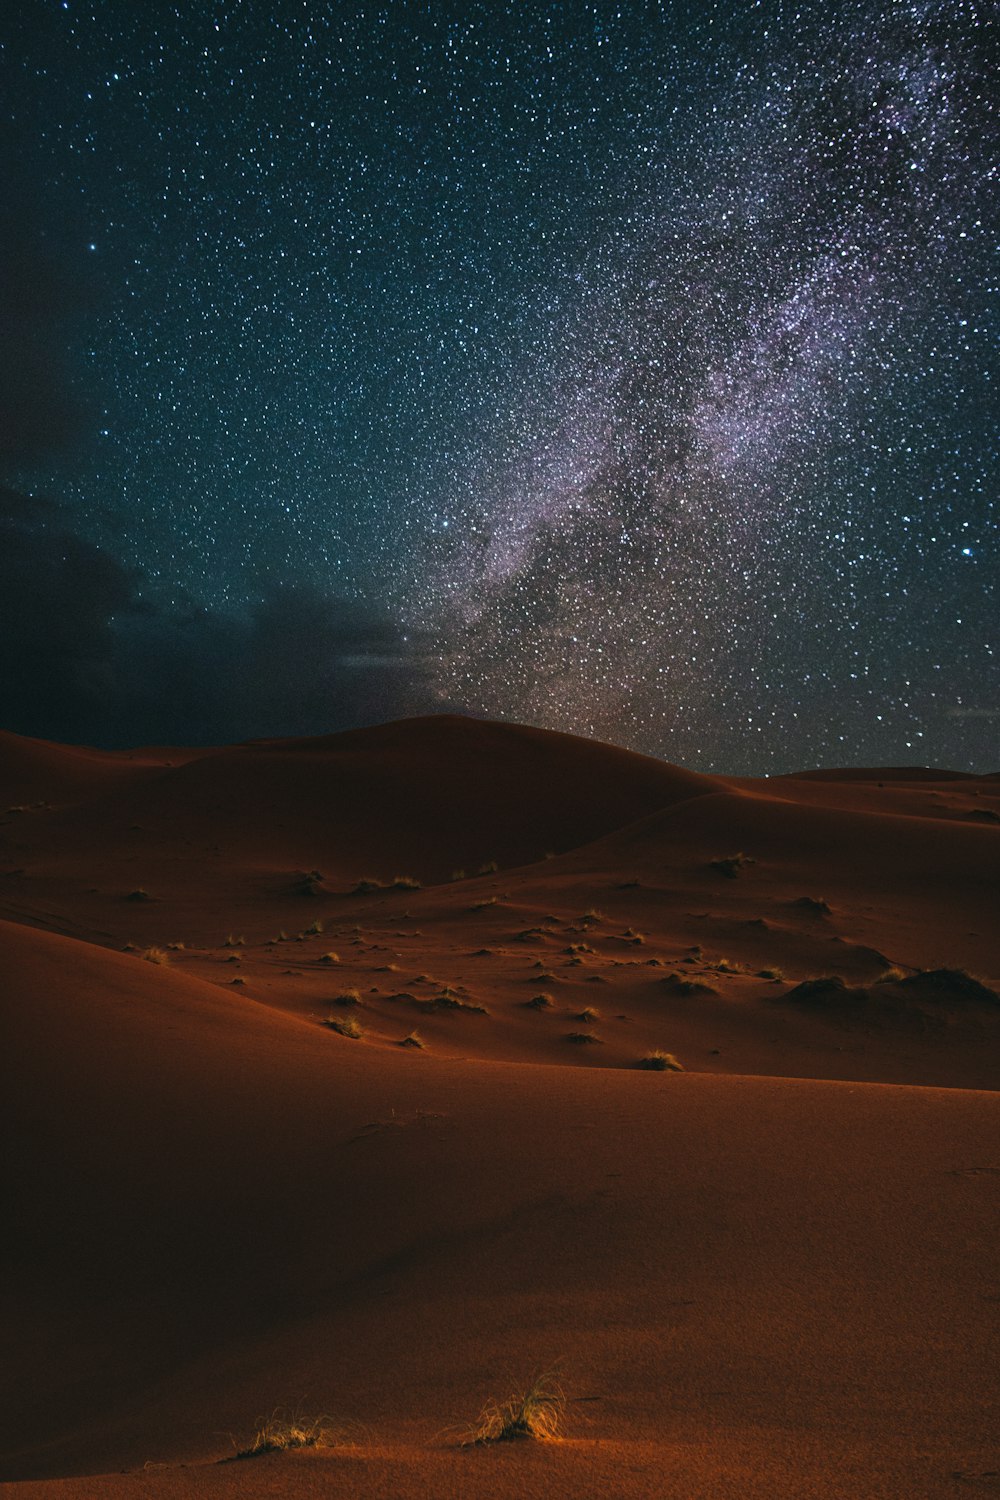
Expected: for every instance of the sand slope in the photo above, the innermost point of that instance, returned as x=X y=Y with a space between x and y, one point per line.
x=781 y=1284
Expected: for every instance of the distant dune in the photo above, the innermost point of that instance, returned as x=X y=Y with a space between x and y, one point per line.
x=233 y=1190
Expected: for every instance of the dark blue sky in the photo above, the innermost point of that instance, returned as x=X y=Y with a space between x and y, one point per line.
x=628 y=370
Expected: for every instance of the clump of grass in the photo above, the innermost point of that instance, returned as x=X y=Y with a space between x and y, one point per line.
x=660 y=1062
x=366 y=886
x=535 y=1413
x=155 y=955
x=282 y=1430
x=684 y=986
x=234 y=942
x=891 y=976
x=539 y=1002
x=414 y=1039
x=582 y=1038
x=404 y=883
x=314 y=929
x=731 y=865
x=588 y=1015
x=579 y=948
x=489 y=868
x=448 y=1000
x=593 y=915
x=139 y=894
x=344 y=1026
x=458 y=875
x=328 y=958
x=815 y=905
x=347 y=998
x=482 y=905
x=175 y=947
x=631 y=936
x=770 y=973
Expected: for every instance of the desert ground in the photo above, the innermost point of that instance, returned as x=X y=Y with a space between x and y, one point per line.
x=358 y=1082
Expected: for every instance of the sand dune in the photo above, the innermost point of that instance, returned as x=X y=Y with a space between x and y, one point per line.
x=772 y=1274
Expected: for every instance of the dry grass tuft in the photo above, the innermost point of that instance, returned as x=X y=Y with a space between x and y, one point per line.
x=536 y=1413
x=346 y=998
x=660 y=1062
x=731 y=865
x=328 y=958
x=345 y=1026
x=155 y=955
x=539 y=1002
x=891 y=976
x=234 y=942
x=282 y=1430
x=582 y=1038
x=414 y=1039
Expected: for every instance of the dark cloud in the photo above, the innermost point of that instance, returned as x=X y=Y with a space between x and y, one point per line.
x=85 y=658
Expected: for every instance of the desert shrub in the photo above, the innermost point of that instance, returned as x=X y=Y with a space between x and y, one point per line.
x=404 y=883
x=344 y=1026
x=731 y=864
x=283 y=1430
x=329 y=958
x=155 y=955
x=582 y=1038
x=234 y=942
x=539 y=1002
x=815 y=905
x=660 y=1062
x=535 y=1413
x=414 y=1039
x=347 y=998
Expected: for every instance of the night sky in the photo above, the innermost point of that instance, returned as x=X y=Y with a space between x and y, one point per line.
x=628 y=370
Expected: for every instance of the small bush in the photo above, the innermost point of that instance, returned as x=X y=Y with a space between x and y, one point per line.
x=582 y=1038
x=344 y=1026
x=314 y=929
x=404 y=883
x=329 y=958
x=346 y=998
x=283 y=1430
x=588 y=1015
x=539 y=1002
x=731 y=865
x=366 y=886
x=660 y=1062
x=490 y=868
x=536 y=1413
x=815 y=905
x=234 y=942
x=413 y=1040
x=155 y=955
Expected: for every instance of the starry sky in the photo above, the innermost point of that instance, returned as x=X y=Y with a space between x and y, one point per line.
x=625 y=369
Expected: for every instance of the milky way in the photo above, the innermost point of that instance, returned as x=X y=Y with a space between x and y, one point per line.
x=639 y=368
